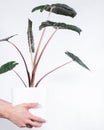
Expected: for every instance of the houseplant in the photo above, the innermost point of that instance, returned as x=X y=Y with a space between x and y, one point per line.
x=36 y=55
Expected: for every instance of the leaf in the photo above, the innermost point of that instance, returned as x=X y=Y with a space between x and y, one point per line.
x=60 y=26
x=75 y=58
x=6 y=39
x=30 y=36
x=57 y=8
x=41 y=8
x=7 y=66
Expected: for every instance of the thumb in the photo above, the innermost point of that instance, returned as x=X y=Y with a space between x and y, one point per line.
x=30 y=105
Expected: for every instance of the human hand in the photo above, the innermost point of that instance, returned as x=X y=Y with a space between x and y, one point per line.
x=21 y=116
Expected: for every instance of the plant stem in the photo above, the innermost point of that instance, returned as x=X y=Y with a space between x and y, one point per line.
x=31 y=57
x=28 y=75
x=36 y=54
x=20 y=78
x=52 y=71
x=37 y=51
x=38 y=60
x=45 y=48
x=35 y=58
x=49 y=13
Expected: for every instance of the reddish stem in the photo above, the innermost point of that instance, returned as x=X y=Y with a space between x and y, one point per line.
x=28 y=75
x=20 y=78
x=51 y=72
x=36 y=65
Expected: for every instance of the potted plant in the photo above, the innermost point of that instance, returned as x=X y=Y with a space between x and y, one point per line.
x=36 y=54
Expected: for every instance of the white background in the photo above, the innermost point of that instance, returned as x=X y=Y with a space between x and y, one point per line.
x=75 y=95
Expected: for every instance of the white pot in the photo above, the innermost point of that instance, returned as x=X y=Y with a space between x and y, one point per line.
x=31 y=95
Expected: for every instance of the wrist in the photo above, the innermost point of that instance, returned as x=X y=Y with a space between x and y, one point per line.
x=5 y=109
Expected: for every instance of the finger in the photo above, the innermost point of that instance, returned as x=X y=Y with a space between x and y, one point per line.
x=38 y=119
x=30 y=105
x=35 y=124
x=29 y=126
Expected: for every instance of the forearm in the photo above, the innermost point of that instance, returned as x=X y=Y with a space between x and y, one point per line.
x=5 y=109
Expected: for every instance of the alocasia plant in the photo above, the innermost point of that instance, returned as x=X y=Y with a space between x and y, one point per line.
x=59 y=9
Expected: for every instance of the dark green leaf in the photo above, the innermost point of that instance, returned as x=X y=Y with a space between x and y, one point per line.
x=6 y=39
x=75 y=58
x=60 y=26
x=30 y=36
x=7 y=66
x=57 y=8
x=41 y=8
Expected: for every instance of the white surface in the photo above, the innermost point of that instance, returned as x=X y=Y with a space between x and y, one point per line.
x=75 y=96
